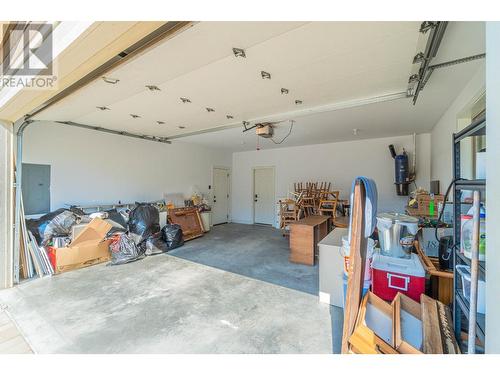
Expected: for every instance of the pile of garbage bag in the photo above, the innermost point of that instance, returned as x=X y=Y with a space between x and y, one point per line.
x=124 y=250
x=143 y=237
x=144 y=220
x=134 y=233
x=56 y=224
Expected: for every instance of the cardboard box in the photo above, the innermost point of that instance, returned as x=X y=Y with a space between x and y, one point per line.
x=408 y=329
x=423 y=203
x=87 y=249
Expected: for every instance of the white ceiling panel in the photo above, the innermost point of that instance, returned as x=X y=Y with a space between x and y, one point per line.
x=320 y=63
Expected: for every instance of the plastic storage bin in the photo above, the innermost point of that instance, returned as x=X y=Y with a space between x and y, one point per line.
x=392 y=275
x=464 y=272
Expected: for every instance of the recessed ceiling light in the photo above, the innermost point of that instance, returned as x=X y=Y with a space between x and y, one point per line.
x=153 y=88
x=134 y=116
x=185 y=100
x=103 y=108
x=284 y=91
x=113 y=81
x=298 y=102
x=210 y=109
x=160 y=122
x=239 y=52
x=182 y=127
x=265 y=75
x=229 y=117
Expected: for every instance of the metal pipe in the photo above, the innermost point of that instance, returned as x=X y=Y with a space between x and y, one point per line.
x=474 y=269
x=302 y=112
x=414 y=171
x=151 y=138
x=446 y=64
x=18 y=193
x=458 y=61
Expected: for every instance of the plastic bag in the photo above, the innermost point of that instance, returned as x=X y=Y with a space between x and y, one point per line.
x=154 y=244
x=57 y=223
x=172 y=235
x=117 y=221
x=116 y=217
x=144 y=220
x=124 y=250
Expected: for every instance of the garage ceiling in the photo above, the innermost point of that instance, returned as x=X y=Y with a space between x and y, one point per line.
x=319 y=63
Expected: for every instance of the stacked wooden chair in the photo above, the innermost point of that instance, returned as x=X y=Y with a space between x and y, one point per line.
x=312 y=192
x=290 y=211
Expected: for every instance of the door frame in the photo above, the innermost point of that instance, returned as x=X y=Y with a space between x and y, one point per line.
x=273 y=168
x=6 y=204
x=229 y=189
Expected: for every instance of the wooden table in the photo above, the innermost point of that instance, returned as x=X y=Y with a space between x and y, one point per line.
x=304 y=237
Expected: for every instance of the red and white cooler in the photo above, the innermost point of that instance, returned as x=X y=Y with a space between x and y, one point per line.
x=392 y=275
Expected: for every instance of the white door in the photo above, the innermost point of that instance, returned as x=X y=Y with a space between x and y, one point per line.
x=264 y=195
x=220 y=208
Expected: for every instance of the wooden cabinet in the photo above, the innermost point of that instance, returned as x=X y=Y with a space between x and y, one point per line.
x=304 y=237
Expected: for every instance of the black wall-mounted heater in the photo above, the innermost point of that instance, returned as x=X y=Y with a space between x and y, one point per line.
x=401 y=171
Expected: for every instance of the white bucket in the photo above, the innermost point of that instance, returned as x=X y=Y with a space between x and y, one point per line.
x=464 y=272
x=370 y=248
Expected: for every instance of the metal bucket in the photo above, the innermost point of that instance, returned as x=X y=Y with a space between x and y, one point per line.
x=396 y=233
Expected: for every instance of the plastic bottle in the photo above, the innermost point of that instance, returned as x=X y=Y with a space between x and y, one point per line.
x=466 y=233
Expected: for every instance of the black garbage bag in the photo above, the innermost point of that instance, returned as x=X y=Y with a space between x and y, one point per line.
x=172 y=235
x=154 y=244
x=56 y=223
x=144 y=220
x=119 y=225
x=116 y=217
x=124 y=250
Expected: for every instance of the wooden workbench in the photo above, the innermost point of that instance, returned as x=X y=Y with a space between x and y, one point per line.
x=304 y=237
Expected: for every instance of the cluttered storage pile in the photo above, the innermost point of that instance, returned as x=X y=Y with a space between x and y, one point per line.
x=68 y=239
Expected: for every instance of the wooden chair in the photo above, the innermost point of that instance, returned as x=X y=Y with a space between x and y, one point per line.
x=328 y=203
x=309 y=199
x=290 y=211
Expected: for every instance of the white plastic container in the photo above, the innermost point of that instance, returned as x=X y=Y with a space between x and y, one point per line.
x=206 y=219
x=466 y=228
x=464 y=272
x=370 y=248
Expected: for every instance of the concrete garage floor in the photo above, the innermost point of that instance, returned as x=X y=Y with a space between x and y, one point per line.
x=257 y=251
x=166 y=304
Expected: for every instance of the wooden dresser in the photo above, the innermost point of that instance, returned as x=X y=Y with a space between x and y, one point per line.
x=304 y=237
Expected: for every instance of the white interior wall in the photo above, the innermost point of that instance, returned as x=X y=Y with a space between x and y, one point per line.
x=441 y=161
x=338 y=163
x=90 y=167
x=493 y=186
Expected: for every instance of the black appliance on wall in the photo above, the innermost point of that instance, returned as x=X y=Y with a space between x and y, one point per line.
x=402 y=171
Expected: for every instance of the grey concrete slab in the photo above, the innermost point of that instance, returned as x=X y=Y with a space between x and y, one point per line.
x=256 y=251
x=165 y=304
